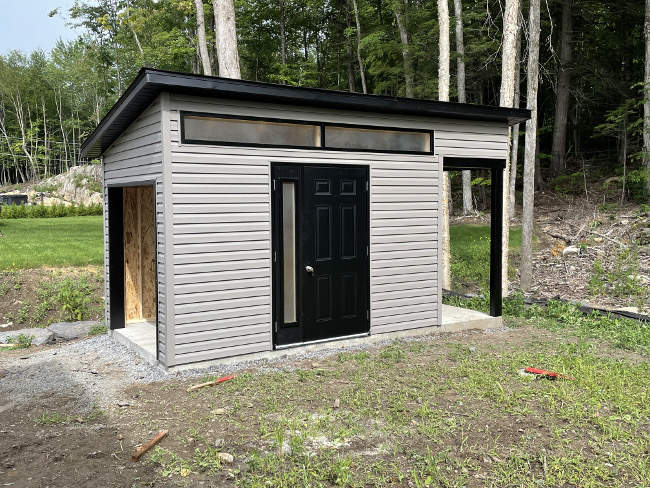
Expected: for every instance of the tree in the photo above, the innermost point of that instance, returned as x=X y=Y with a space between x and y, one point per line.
x=563 y=91
x=359 y=57
x=526 y=268
x=406 y=49
x=514 y=153
x=460 y=87
x=510 y=28
x=443 y=95
x=226 y=33
x=646 y=95
x=203 y=44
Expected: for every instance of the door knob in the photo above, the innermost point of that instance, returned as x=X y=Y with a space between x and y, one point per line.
x=309 y=269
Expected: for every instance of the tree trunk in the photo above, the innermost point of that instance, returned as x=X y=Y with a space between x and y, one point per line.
x=558 y=150
x=460 y=87
x=406 y=50
x=348 y=49
x=515 y=130
x=443 y=96
x=646 y=96
x=203 y=44
x=226 y=31
x=526 y=268
x=359 y=57
x=509 y=41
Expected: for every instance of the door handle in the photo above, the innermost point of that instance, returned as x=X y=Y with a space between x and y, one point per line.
x=309 y=269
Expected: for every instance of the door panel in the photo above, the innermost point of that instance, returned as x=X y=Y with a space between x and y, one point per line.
x=332 y=265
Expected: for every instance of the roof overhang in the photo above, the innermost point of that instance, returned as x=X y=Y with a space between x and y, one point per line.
x=151 y=82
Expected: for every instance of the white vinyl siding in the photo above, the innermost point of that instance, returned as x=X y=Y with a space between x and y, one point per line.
x=136 y=156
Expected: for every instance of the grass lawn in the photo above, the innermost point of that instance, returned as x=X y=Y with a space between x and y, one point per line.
x=66 y=241
x=448 y=412
x=470 y=255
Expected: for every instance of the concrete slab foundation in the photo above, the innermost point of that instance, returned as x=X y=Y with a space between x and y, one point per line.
x=141 y=338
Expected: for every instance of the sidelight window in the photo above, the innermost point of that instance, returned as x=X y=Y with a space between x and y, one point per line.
x=289 y=251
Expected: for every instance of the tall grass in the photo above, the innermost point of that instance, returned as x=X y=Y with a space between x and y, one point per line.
x=66 y=241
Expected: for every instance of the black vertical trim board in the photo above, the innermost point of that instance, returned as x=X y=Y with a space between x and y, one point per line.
x=496 y=228
x=116 y=257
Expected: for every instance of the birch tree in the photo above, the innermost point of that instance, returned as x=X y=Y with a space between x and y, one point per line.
x=443 y=96
x=526 y=268
x=203 y=44
x=406 y=49
x=226 y=33
x=359 y=57
x=506 y=98
x=514 y=153
x=460 y=87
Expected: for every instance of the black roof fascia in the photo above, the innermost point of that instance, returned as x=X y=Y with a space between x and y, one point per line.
x=149 y=83
x=454 y=163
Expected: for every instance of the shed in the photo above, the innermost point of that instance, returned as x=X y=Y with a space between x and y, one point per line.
x=245 y=217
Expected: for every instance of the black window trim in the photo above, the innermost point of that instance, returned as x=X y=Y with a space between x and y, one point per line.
x=321 y=125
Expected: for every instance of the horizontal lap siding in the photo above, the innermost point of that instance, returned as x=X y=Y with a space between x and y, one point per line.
x=222 y=248
x=137 y=156
x=404 y=274
x=472 y=140
x=222 y=229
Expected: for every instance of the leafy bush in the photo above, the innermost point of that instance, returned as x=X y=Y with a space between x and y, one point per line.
x=40 y=211
x=636 y=183
x=47 y=187
x=74 y=297
x=621 y=278
x=22 y=341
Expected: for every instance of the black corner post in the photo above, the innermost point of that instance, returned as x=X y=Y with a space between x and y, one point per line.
x=496 y=257
x=116 y=257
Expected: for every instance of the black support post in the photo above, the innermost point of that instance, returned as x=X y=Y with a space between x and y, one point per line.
x=116 y=258
x=496 y=257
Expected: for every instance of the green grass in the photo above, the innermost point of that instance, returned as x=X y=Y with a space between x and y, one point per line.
x=34 y=243
x=470 y=254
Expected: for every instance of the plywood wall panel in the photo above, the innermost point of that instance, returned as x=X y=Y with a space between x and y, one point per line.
x=148 y=252
x=133 y=310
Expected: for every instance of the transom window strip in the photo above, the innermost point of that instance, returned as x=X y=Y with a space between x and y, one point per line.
x=198 y=128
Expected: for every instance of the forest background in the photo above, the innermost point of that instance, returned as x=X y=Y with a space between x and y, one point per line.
x=591 y=72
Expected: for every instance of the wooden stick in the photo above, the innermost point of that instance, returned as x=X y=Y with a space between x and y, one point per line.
x=149 y=445
x=210 y=383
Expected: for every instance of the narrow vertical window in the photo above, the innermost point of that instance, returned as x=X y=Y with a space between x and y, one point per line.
x=289 y=250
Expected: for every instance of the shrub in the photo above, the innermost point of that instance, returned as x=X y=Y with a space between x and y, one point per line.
x=572 y=184
x=41 y=211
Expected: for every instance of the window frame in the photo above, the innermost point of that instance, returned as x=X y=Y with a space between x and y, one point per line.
x=321 y=125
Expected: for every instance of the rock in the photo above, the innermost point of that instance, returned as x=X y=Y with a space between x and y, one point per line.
x=644 y=250
x=337 y=403
x=2 y=374
x=472 y=349
x=226 y=458
x=94 y=371
x=119 y=437
x=4 y=326
x=123 y=404
x=627 y=309
x=219 y=411
x=72 y=330
x=219 y=443
x=570 y=251
x=41 y=336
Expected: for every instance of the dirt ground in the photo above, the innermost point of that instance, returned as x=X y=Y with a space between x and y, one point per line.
x=57 y=433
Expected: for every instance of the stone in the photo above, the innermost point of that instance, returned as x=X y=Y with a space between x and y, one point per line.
x=219 y=411
x=219 y=443
x=570 y=251
x=68 y=331
x=4 y=326
x=472 y=349
x=226 y=458
x=41 y=336
x=644 y=250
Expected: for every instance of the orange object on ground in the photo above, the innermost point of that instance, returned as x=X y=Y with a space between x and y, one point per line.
x=547 y=374
x=149 y=445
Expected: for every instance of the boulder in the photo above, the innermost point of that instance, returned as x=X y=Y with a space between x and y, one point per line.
x=68 y=331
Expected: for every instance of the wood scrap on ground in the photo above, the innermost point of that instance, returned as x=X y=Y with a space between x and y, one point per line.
x=149 y=445
x=210 y=383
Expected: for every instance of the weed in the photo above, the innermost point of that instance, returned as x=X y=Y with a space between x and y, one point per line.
x=22 y=341
x=48 y=418
x=97 y=330
x=22 y=315
x=4 y=288
x=73 y=298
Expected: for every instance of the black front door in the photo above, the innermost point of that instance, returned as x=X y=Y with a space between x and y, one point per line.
x=320 y=252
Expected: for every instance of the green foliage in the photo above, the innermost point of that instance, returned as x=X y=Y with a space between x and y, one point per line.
x=573 y=184
x=40 y=211
x=620 y=278
x=636 y=184
x=46 y=187
x=69 y=242
x=22 y=341
x=74 y=298
x=97 y=330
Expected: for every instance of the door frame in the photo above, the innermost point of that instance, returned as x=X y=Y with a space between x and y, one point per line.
x=294 y=173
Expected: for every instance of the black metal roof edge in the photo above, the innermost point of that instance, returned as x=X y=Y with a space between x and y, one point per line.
x=149 y=83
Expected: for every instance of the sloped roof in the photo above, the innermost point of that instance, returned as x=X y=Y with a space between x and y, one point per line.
x=152 y=82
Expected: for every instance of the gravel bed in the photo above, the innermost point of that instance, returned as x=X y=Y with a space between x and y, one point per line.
x=94 y=371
